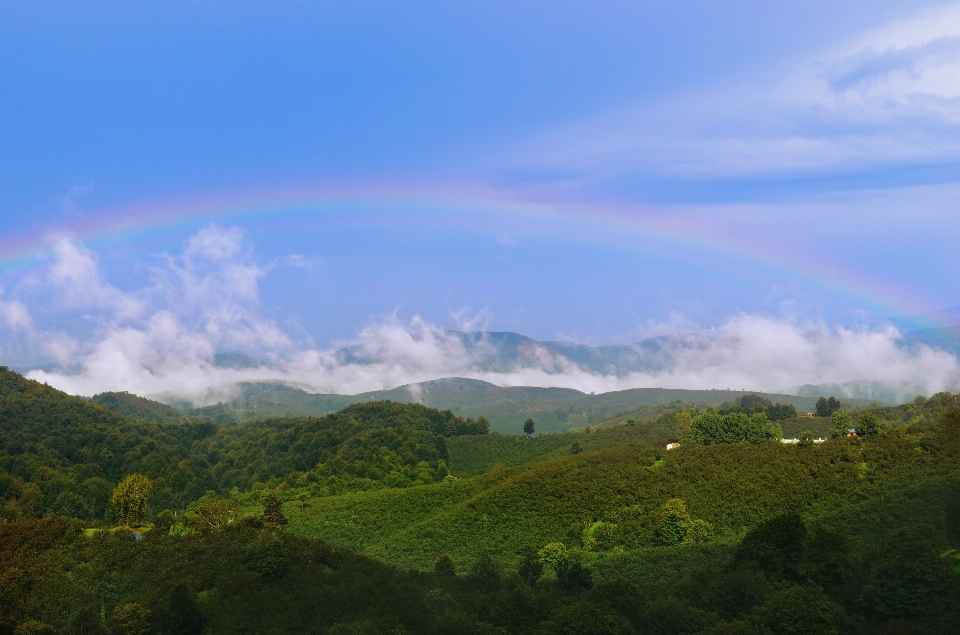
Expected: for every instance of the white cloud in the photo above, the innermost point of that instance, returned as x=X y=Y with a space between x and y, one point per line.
x=884 y=98
x=205 y=301
x=75 y=274
x=468 y=320
x=166 y=360
x=215 y=243
x=16 y=316
x=61 y=347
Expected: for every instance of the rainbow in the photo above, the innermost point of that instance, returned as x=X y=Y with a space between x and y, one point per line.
x=463 y=207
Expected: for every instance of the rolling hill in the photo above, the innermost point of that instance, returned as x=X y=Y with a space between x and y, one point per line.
x=871 y=486
x=553 y=409
x=463 y=532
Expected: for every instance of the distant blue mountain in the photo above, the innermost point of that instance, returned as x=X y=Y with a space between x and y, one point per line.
x=496 y=351
x=238 y=361
x=946 y=338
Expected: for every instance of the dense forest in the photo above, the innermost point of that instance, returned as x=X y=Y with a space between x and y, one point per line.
x=123 y=517
x=63 y=455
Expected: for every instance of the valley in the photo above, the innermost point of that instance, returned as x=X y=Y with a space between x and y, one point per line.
x=600 y=517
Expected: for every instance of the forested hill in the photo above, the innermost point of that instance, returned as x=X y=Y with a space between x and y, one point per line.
x=135 y=406
x=598 y=531
x=554 y=409
x=63 y=455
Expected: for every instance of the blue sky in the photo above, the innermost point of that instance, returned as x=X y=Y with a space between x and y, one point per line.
x=592 y=171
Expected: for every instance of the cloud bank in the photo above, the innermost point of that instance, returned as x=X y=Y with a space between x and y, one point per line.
x=160 y=342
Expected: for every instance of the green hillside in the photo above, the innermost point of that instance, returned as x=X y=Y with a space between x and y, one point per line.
x=554 y=409
x=64 y=455
x=733 y=487
x=125 y=403
x=473 y=455
x=400 y=519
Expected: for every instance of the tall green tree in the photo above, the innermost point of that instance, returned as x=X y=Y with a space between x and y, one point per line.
x=673 y=522
x=273 y=510
x=842 y=422
x=129 y=499
x=868 y=424
x=826 y=407
x=529 y=426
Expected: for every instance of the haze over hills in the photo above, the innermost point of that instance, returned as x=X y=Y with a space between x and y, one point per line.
x=506 y=351
x=753 y=356
x=553 y=409
x=502 y=351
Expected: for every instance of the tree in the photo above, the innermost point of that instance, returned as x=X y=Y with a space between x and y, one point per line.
x=802 y=610
x=129 y=499
x=827 y=556
x=822 y=409
x=273 y=510
x=698 y=532
x=826 y=407
x=215 y=513
x=842 y=422
x=868 y=424
x=574 y=577
x=576 y=448
x=483 y=425
x=444 y=565
x=778 y=411
x=950 y=417
x=134 y=618
x=805 y=439
x=485 y=573
x=273 y=561
x=683 y=419
x=775 y=547
x=673 y=522
x=528 y=427
x=71 y=504
x=553 y=554
x=184 y=617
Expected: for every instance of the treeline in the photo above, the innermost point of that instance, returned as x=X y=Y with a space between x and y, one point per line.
x=62 y=455
x=131 y=405
x=755 y=404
